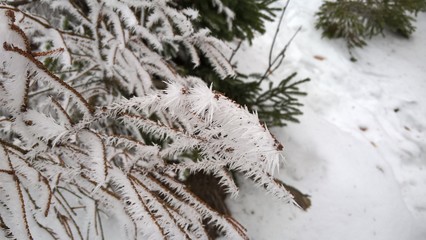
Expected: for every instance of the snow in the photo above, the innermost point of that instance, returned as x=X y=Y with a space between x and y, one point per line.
x=360 y=148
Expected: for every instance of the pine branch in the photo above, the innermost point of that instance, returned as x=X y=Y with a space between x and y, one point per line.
x=89 y=128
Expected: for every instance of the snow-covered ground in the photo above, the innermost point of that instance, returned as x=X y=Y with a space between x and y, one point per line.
x=360 y=149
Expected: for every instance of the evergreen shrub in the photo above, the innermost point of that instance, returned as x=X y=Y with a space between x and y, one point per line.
x=358 y=20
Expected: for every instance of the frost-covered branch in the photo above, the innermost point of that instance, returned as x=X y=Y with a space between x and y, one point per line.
x=84 y=129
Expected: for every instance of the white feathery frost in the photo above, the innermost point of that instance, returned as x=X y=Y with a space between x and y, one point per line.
x=101 y=129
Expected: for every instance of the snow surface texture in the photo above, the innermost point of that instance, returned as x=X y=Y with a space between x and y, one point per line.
x=360 y=149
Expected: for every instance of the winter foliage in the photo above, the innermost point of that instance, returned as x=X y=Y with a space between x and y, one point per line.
x=358 y=20
x=97 y=124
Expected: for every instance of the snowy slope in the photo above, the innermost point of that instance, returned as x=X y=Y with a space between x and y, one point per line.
x=360 y=149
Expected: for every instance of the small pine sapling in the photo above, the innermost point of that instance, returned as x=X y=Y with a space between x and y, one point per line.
x=356 y=21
